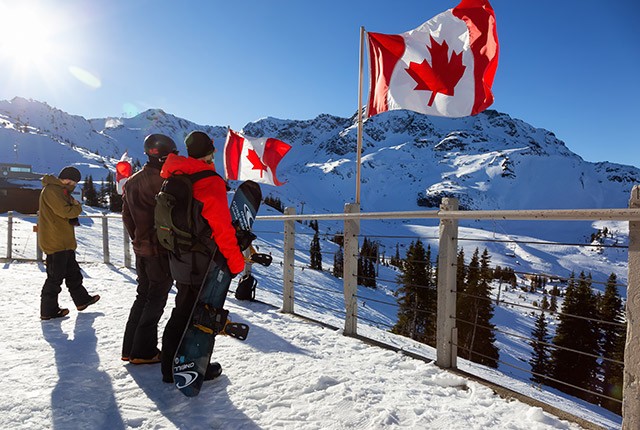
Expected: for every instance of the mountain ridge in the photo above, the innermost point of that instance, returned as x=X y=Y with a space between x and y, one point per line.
x=488 y=161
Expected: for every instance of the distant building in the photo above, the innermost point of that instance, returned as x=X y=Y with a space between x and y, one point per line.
x=19 y=188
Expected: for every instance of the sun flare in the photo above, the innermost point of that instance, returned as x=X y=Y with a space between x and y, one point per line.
x=27 y=34
x=35 y=43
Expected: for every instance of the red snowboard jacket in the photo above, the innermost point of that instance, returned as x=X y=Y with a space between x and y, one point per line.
x=212 y=193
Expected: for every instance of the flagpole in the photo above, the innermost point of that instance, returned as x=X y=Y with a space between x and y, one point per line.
x=359 y=138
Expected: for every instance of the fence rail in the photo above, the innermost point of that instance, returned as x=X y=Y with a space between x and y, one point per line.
x=448 y=216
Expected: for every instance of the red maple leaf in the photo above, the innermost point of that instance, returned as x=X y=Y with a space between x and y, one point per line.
x=442 y=75
x=256 y=162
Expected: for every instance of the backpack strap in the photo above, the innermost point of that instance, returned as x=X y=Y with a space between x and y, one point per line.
x=195 y=177
x=205 y=174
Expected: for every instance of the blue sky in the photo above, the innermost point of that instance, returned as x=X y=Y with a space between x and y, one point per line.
x=568 y=66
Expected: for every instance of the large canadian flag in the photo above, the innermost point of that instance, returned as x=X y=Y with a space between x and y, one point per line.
x=445 y=67
x=254 y=158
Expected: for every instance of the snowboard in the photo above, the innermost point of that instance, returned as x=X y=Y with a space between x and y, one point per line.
x=208 y=318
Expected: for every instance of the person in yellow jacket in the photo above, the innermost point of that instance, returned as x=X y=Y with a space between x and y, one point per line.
x=57 y=218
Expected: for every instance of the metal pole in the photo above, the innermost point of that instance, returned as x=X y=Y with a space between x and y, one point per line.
x=359 y=141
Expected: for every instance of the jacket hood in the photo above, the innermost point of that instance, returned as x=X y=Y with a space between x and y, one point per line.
x=179 y=165
x=53 y=180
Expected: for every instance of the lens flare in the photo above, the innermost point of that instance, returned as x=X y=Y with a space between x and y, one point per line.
x=86 y=77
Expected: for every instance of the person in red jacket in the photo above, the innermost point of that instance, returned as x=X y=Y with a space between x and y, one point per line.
x=212 y=220
x=140 y=340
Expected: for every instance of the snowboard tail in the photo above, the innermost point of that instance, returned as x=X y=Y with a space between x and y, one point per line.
x=208 y=317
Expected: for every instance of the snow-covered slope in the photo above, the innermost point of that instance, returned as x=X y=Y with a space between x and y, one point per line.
x=488 y=161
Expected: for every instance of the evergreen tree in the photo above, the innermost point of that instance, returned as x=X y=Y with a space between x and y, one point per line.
x=338 y=238
x=475 y=311
x=338 y=263
x=366 y=264
x=485 y=270
x=497 y=273
x=417 y=296
x=315 y=254
x=89 y=192
x=612 y=342
x=115 y=199
x=540 y=356
x=103 y=195
x=579 y=335
x=545 y=302
x=461 y=271
x=553 y=304
x=275 y=203
x=396 y=260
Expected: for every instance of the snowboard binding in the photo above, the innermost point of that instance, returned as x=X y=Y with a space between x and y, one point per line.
x=208 y=319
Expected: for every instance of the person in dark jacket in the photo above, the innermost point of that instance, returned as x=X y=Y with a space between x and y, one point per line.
x=140 y=343
x=213 y=222
x=57 y=216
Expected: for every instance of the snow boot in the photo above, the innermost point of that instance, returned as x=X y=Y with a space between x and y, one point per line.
x=213 y=371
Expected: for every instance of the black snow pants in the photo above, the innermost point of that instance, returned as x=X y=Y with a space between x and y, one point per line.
x=62 y=266
x=154 y=283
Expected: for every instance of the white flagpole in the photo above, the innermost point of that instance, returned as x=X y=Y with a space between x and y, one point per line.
x=224 y=153
x=359 y=138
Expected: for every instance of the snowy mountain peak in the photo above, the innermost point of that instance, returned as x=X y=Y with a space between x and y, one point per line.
x=409 y=160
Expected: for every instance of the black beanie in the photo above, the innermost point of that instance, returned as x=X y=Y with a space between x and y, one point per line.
x=198 y=144
x=70 y=173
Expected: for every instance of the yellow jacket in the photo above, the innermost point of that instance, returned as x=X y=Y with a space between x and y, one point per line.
x=57 y=207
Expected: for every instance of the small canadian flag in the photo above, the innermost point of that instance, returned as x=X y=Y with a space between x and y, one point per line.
x=253 y=158
x=123 y=172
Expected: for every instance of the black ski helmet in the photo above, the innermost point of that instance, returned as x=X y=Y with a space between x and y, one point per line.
x=159 y=146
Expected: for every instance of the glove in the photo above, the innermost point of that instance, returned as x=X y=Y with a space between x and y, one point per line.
x=244 y=238
x=74 y=222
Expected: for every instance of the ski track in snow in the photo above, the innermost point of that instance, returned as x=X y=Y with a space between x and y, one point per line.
x=289 y=374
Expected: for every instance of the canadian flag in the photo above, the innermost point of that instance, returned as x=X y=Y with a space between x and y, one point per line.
x=445 y=67
x=254 y=158
x=123 y=171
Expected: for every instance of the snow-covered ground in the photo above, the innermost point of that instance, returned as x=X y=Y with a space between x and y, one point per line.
x=290 y=373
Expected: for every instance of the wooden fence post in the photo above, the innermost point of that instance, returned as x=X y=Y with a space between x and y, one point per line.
x=105 y=238
x=446 y=355
x=631 y=384
x=350 y=270
x=9 y=234
x=288 y=263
